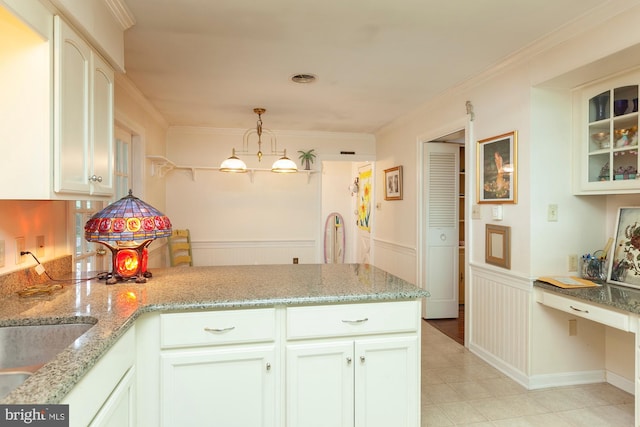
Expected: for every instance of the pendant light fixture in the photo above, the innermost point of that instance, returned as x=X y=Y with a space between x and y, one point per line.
x=235 y=164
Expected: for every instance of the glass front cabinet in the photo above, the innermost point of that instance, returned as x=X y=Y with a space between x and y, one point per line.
x=607 y=136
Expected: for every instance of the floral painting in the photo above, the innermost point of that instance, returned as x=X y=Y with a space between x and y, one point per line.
x=497 y=169
x=624 y=268
x=364 y=198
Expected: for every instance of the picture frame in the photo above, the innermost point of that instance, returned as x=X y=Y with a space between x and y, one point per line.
x=497 y=169
x=624 y=265
x=393 y=183
x=498 y=245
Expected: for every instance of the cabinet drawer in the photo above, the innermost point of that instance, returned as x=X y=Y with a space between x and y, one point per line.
x=217 y=327
x=606 y=316
x=352 y=319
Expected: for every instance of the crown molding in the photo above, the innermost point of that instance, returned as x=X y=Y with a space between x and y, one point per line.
x=129 y=87
x=121 y=12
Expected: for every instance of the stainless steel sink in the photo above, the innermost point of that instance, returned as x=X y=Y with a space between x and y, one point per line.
x=25 y=349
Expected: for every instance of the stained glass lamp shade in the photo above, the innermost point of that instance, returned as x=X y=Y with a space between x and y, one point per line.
x=127 y=227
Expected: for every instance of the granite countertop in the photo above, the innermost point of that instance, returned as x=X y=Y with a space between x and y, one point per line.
x=615 y=296
x=114 y=308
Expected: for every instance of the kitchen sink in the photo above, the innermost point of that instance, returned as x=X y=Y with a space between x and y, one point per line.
x=25 y=349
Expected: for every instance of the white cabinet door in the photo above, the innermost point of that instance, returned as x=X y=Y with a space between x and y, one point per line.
x=225 y=386
x=119 y=409
x=72 y=65
x=83 y=116
x=102 y=153
x=319 y=385
x=387 y=382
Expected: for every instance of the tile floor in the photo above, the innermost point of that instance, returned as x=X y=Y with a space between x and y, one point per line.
x=459 y=389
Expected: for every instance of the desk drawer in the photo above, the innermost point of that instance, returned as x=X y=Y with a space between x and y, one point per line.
x=217 y=327
x=352 y=319
x=597 y=313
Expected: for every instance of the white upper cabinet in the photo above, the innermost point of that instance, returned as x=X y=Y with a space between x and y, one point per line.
x=606 y=142
x=83 y=116
x=57 y=102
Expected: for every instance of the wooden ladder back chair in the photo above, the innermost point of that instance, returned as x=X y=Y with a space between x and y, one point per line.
x=180 y=248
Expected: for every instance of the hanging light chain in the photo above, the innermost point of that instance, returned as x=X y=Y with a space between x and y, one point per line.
x=259 y=112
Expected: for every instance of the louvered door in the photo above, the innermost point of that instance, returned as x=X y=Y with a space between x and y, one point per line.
x=441 y=251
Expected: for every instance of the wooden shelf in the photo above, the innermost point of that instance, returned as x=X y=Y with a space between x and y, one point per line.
x=160 y=166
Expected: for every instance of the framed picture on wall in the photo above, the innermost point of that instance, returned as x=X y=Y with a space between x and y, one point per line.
x=497 y=169
x=498 y=245
x=624 y=265
x=393 y=183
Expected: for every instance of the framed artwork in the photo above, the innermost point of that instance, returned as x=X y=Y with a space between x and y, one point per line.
x=498 y=245
x=364 y=197
x=497 y=169
x=624 y=267
x=393 y=183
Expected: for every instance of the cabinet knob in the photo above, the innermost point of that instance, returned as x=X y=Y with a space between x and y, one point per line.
x=348 y=360
x=362 y=359
x=95 y=178
x=268 y=366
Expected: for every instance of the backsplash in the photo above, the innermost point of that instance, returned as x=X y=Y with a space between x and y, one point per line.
x=59 y=268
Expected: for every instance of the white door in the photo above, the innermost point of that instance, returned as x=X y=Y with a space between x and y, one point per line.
x=320 y=384
x=387 y=382
x=440 y=272
x=231 y=387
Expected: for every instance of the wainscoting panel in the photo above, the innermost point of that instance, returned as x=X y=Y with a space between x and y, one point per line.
x=254 y=252
x=395 y=259
x=499 y=314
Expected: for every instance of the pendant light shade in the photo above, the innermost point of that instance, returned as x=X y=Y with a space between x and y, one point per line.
x=233 y=164
x=284 y=165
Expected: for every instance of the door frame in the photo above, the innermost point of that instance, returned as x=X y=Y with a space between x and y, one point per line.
x=465 y=124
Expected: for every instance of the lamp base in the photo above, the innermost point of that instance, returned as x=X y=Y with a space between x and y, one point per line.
x=129 y=262
x=113 y=278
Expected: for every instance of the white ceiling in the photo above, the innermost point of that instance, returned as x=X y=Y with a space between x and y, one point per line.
x=210 y=62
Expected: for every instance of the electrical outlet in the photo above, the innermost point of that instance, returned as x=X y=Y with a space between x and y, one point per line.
x=552 y=213
x=1 y=253
x=40 y=246
x=20 y=247
x=572 y=262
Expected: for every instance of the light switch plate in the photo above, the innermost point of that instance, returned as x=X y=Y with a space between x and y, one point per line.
x=496 y=213
x=476 y=213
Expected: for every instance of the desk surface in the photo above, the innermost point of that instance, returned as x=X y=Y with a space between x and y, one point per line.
x=620 y=297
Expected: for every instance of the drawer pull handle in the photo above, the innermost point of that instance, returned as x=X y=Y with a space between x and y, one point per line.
x=577 y=309
x=356 y=321
x=219 y=330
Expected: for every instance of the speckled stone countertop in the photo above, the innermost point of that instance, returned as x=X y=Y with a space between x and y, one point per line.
x=114 y=308
x=615 y=296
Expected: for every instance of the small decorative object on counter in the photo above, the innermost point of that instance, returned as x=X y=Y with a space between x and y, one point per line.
x=593 y=266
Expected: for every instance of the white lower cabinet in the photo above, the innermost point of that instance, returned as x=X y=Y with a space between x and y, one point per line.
x=334 y=365
x=219 y=369
x=232 y=387
x=353 y=365
x=319 y=385
x=105 y=396
x=366 y=382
